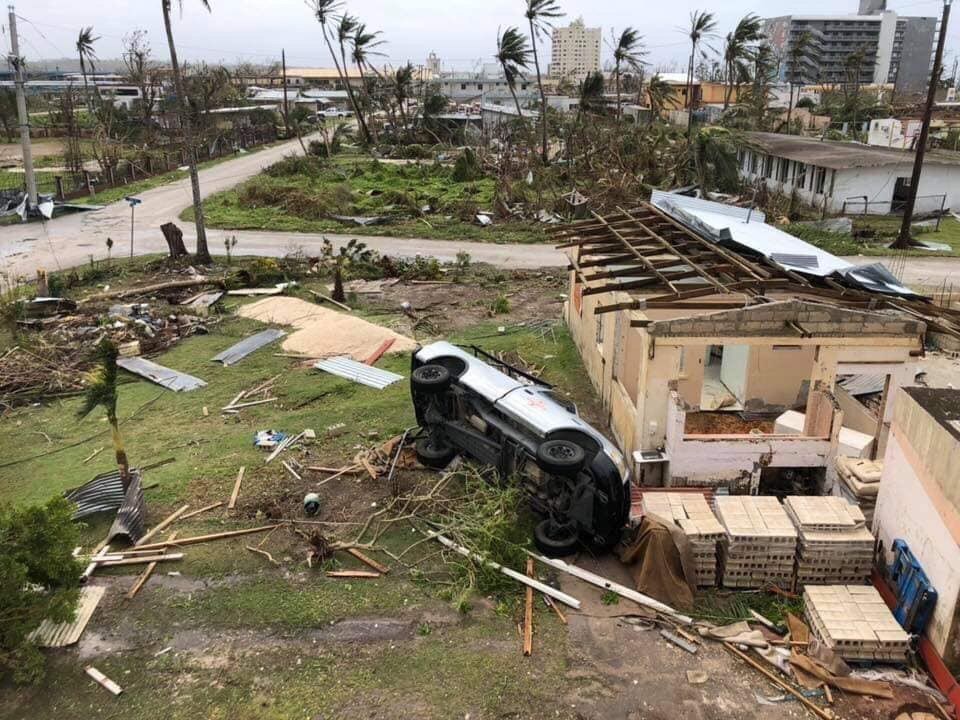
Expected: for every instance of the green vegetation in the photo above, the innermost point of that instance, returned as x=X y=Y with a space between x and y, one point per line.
x=723 y=607
x=872 y=236
x=301 y=194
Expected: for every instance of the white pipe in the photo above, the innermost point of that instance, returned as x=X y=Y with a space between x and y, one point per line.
x=519 y=577
x=617 y=588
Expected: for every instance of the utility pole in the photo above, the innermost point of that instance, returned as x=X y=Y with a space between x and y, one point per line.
x=903 y=240
x=22 y=116
x=286 y=110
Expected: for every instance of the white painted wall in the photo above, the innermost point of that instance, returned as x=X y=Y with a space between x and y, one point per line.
x=905 y=511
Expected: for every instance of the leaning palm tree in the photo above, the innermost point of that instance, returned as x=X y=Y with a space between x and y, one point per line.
x=590 y=95
x=203 y=252
x=513 y=54
x=403 y=90
x=88 y=58
x=739 y=51
x=346 y=26
x=363 y=43
x=102 y=392
x=702 y=26
x=627 y=49
x=659 y=93
x=324 y=11
x=540 y=14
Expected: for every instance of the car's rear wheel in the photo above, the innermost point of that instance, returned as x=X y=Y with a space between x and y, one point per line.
x=430 y=379
x=555 y=539
x=434 y=453
x=560 y=457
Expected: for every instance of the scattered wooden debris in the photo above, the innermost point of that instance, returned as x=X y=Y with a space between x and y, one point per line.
x=679 y=641
x=166 y=557
x=92 y=455
x=327 y=298
x=380 y=351
x=163 y=525
x=236 y=488
x=286 y=443
x=145 y=575
x=240 y=406
x=211 y=506
x=528 y=614
x=207 y=538
x=366 y=560
x=358 y=574
x=553 y=606
x=103 y=680
x=267 y=555
x=289 y=468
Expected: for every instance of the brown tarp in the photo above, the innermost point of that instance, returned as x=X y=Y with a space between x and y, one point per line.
x=660 y=563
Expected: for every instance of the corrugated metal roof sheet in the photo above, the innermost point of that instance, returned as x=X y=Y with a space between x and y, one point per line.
x=164 y=376
x=51 y=634
x=106 y=493
x=358 y=372
x=236 y=353
x=858 y=385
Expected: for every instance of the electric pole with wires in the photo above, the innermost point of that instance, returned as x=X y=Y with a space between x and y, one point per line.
x=903 y=240
x=24 y=120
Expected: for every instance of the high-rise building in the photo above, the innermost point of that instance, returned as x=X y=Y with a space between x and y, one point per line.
x=576 y=51
x=876 y=46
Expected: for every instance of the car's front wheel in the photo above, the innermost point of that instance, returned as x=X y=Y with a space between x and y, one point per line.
x=555 y=539
x=560 y=457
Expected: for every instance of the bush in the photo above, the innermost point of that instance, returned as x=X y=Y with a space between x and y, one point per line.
x=39 y=579
x=467 y=167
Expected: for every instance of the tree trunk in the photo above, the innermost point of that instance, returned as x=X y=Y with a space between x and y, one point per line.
x=361 y=120
x=543 y=97
x=618 y=90
x=203 y=252
x=789 y=108
x=693 y=52
x=174 y=237
x=516 y=101
x=118 y=450
x=345 y=81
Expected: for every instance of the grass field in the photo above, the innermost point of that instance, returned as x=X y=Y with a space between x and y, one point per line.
x=884 y=231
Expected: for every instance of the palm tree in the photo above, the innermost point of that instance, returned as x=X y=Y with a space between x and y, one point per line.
x=102 y=391
x=713 y=160
x=346 y=26
x=324 y=11
x=591 y=94
x=403 y=90
x=203 y=252
x=702 y=26
x=513 y=54
x=660 y=93
x=627 y=49
x=540 y=14
x=88 y=57
x=739 y=51
x=363 y=43
x=794 y=72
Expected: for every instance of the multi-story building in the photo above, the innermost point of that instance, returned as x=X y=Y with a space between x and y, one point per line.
x=891 y=49
x=576 y=51
x=485 y=85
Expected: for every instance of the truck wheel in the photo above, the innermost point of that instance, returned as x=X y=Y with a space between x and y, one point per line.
x=432 y=454
x=560 y=457
x=430 y=379
x=555 y=540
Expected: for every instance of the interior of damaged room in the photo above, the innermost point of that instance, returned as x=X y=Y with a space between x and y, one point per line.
x=705 y=462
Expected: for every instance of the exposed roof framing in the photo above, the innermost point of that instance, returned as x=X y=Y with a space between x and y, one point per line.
x=666 y=264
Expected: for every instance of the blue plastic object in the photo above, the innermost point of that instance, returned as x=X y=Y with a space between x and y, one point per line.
x=916 y=597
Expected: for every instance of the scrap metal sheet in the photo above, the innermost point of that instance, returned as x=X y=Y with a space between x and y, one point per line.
x=358 y=372
x=106 y=493
x=236 y=353
x=51 y=634
x=164 y=376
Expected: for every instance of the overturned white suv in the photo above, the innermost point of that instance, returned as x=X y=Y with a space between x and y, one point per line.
x=574 y=477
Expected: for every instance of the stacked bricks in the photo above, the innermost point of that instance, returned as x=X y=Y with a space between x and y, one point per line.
x=855 y=623
x=693 y=515
x=835 y=545
x=760 y=543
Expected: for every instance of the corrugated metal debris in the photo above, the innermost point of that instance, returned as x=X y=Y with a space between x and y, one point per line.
x=358 y=372
x=236 y=353
x=204 y=299
x=51 y=634
x=164 y=376
x=858 y=385
x=107 y=492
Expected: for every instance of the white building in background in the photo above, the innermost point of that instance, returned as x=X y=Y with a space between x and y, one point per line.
x=576 y=51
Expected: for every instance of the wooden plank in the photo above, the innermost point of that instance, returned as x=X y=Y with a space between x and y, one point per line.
x=194 y=513
x=642 y=259
x=379 y=352
x=819 y=712
x=366 y=560
x=528 y=614
x=236 y=488
x=163 y=525
x=557 y=610
x=103 y=680
x=145 y=575
x=141 y=560
x=358 y=574
x=330 y=300
x=212 y=536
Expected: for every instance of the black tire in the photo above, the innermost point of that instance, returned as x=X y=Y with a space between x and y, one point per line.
x=560 y=457
x=555 y=540
x=434 y=455
x=430 y=379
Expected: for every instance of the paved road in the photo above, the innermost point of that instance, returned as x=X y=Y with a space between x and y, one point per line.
x=70 y=240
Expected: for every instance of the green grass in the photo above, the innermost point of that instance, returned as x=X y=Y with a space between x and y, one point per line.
x=302 y=200
x=885 y=230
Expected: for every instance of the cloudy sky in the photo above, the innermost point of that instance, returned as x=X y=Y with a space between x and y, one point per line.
x=461 y=32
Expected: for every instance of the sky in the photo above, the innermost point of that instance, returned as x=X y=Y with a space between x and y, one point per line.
x=461 y=32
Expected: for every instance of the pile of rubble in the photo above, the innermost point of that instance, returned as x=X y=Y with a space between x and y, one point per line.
x=691 y=513
x=835 y=545
x=759 y=547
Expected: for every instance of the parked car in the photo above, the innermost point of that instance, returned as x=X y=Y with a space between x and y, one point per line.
x=574 y=477
x=333 y=113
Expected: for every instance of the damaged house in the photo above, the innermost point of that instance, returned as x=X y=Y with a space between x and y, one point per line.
x=718 y=344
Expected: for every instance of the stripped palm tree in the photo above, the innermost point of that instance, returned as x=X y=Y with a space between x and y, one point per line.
x=540 y=14
x=798 y=50
x=403 y=90
x=702 y=26
x=513 y=54
x=659 y=93
x=88 y=58
x=102 y=392
x=739 y=51
x=364 y=43
x=324 y=11
x=627 y=50
x=346 y=26
x=203 y=252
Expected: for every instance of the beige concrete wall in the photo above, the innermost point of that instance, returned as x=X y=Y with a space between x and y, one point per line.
x=691 y=377
x=775 y=375
x=937 y=448
x=855 y=415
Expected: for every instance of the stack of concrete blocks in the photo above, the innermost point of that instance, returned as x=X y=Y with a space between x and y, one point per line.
x=858 y=482
x=855 y=622
x=835 y=545
x=760 y=542
x=691 y=513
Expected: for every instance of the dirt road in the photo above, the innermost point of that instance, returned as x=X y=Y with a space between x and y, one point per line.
x=71 y=240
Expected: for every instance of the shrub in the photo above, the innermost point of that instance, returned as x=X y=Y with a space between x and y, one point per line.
x=467 y=167
x=500 y=306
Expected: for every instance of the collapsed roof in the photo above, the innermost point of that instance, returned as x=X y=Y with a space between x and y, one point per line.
x=679 y=252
